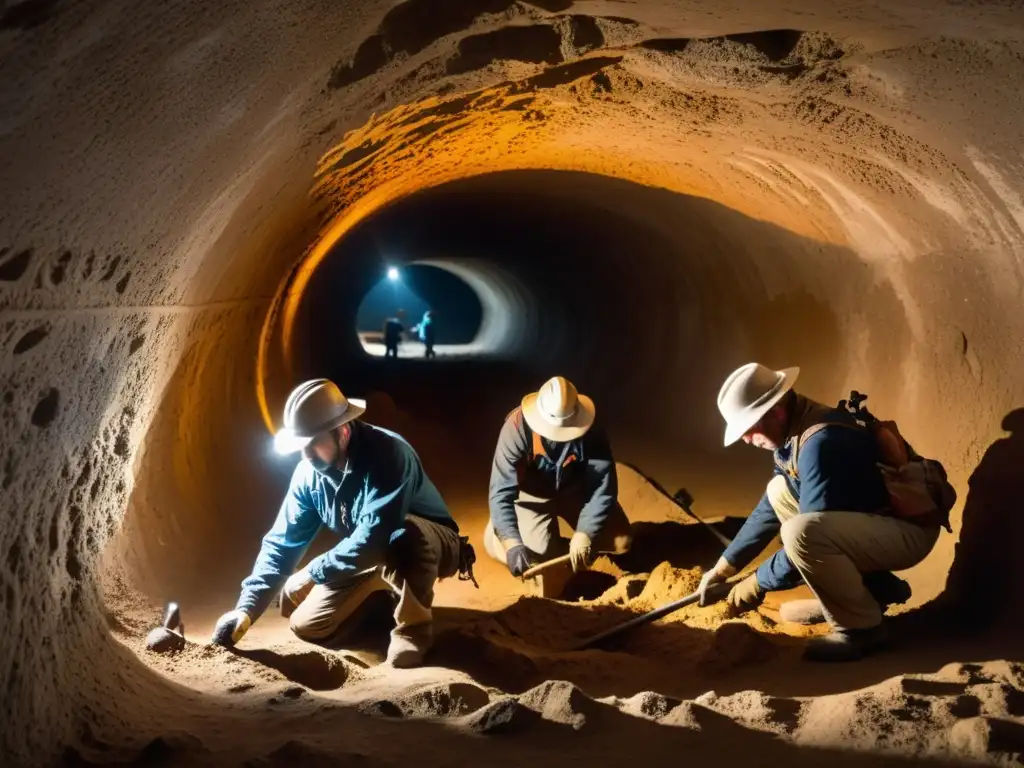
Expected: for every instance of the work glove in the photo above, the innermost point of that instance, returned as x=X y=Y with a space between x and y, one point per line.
x=230 y=628
x=722 y=571
x=745 y=595
x=579 y=551
x=518 y=559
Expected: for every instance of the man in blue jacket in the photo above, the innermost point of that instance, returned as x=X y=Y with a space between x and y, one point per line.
x=365 y=484
x=427 y=333
x=828 y=502
x=552 y=463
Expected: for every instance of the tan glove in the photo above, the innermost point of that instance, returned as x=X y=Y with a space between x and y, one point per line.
x=745 y=596
x=722 y=571
x=230 y=628
x=580 y=551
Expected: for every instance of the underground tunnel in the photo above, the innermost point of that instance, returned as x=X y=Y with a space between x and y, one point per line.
x=408 y=294
x=196 y=201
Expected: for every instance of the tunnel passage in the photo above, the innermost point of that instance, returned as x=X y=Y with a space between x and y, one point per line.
x=413 y=289
x=643 y=297
x=149 y=159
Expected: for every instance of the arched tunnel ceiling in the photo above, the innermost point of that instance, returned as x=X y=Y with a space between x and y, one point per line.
x=175 y=180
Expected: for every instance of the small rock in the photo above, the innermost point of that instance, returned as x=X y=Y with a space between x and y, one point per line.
x=163 y=640
x=501 y=716
x=381 y=708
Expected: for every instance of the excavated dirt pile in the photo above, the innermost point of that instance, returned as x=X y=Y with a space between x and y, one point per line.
x=194 y=199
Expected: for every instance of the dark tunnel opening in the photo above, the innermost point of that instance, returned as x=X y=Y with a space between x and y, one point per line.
x=408 y=292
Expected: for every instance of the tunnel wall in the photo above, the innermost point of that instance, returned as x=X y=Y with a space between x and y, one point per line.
x=154 y=176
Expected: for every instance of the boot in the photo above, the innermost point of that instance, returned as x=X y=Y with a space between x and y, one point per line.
x=409 y=645
x=807 y=612
x=886 y=587
x=847 y=644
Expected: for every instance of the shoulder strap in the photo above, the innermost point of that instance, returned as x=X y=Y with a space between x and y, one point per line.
x=790 y=467
x=536 y=446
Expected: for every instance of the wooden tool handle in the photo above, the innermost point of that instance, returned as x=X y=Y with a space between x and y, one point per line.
x=541 y=567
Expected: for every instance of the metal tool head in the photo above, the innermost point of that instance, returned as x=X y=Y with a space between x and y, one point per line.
x=684 y=497
x=172 y=616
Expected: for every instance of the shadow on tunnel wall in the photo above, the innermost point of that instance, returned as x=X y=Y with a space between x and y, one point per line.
x=985 y=587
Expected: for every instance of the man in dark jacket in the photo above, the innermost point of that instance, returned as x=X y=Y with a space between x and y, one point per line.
x=551 y=463
x=829 y=503
x=393 y=330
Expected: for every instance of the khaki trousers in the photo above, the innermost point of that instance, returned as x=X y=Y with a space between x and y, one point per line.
x=832 y=549
x=426 y=552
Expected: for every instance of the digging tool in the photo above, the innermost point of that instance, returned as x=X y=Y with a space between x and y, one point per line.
x=169 y=637
x=715 y=592
x=541 y=567
x=172 y=619
x=684 y=499
x=538 y=569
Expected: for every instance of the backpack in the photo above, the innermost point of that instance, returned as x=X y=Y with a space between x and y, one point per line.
x=919 y=491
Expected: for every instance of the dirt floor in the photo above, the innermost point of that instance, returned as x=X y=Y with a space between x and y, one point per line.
x=504 y=665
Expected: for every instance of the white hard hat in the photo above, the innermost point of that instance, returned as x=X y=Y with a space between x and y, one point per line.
x=749 y=393
x=558 y=412
x=314 y=407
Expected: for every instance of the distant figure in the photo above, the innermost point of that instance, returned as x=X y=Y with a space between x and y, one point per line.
x=393 y=330
x=426 y=332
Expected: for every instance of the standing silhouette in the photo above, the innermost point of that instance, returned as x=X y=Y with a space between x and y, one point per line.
x=393 y=330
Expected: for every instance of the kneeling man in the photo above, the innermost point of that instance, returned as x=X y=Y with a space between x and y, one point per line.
x=552 y=463
x=828 y=501
x=366 y=484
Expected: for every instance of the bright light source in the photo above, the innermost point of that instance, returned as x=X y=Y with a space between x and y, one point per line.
x=392 y=273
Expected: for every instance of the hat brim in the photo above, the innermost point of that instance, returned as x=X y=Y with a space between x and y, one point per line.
x=289 y=441
x=739 y=426
x=571 y=429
